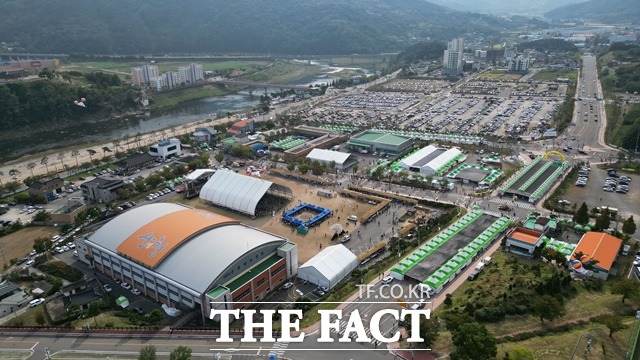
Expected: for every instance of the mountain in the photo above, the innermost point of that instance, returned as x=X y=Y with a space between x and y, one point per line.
x=223 y=26
x=610 y=11
x=521 y=7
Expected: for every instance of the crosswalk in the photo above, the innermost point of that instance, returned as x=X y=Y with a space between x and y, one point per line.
x=279 y=348
x=353 y=335
x=518 y=204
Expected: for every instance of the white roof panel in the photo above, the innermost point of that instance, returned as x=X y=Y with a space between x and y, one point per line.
x=328 y=156
x=235 y=191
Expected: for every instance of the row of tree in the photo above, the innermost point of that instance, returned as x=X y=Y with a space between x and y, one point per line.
x=603 y=220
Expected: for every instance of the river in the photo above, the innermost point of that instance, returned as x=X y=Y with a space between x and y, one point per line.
x=185 y=113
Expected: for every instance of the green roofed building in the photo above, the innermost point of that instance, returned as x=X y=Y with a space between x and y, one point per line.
x=376 y=141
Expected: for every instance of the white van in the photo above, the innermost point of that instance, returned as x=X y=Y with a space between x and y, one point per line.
x=352 y=218
x=626 y=249
x=487 y=260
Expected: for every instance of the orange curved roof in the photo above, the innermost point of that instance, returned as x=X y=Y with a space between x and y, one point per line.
x=150 y=244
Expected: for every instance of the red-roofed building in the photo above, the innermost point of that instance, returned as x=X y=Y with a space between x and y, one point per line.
x=601 y=247
x=523 y=242
x=242 y=127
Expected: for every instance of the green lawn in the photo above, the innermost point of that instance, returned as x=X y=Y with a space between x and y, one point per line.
x=172 y=65
x=552 y=75
x=173 y=98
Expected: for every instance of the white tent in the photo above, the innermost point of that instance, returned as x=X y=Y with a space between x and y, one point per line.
x=329 y=266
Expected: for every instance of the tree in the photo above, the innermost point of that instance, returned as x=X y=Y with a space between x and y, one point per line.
x=219 y=156
x=355 y=168
x=155 y=316
x=612 y=322
x=548 y=307
x=180 y=353
x=42 y=245
x=473 y=341
x=429 y=331
x=147 y=353
x=291 y=166
x=75 y=154
x=304 y=168
x=40 y=320
x=61 y=157
x=43 y=216
x=582 y=215
x=91 y=153
x=45 y=161
x=603 y=221
x=448 y=301
x=30 y=166
x=12 y=186
x=629 y=226
x=627 y=288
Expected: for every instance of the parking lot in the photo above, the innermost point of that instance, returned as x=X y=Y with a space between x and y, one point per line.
x=593 y=194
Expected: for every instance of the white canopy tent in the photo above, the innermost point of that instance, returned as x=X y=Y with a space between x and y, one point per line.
x=329 y=266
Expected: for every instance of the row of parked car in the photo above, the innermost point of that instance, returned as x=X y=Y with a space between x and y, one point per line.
x=583 y=176
x=614 y=182
x=159 y=193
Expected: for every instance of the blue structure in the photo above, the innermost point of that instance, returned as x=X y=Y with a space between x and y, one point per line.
x=321 y=214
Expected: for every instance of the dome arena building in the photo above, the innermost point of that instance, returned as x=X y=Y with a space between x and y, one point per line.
x=178 y=255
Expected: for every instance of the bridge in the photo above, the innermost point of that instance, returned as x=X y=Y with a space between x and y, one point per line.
x=260 y=85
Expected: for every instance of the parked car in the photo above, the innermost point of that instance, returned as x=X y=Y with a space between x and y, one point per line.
x=126 y=286
x=287 y=285
x=107 y=288
x=139 y=311
x=387 y=280
x=135 y=291
x=36 y=302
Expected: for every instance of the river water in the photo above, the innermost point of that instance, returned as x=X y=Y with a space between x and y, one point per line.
x=185 y=113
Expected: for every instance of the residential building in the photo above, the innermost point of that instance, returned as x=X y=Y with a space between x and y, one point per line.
x=137 y=78
x=183 y=75
x=171 y=79
x=242 y=127
x=205 y=134
x=166 y=149
x=129 y=165
x=159 y=83
x=453 y=57
x=519 y=64
x=12 y=298
x=195 y=73
x=47 y=189
x=523 y=242
x=142 y=76
x=102 y=189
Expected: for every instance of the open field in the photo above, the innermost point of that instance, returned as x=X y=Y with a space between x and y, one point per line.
x=561 y=346
x=20 y=243
x=552 y=75
x=284 y=71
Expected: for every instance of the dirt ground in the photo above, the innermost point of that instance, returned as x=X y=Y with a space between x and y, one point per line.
x=318 y=237
x=20 y=243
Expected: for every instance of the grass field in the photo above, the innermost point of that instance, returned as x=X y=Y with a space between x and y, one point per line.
x=552 y=75
x=20 y=243
x=174 y=98
x=561 y=346
x=28 y=318
x=283 y=71
x=171 y=65
x=14 y=354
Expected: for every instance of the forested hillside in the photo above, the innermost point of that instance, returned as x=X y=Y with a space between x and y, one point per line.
x=429 y=50
x=612 y=11
x=51 y=101
x=222 y=26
